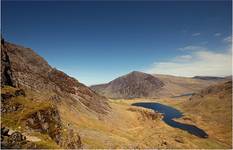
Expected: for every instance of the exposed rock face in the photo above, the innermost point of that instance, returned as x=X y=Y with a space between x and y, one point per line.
x=6 y=72
x=46 y=121
x=6 y=104
x=133 y=85
x=21 y=67
x=14 y=141
x=43 y=118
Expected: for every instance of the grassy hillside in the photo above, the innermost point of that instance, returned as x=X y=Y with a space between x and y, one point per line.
x=175 y=85
x=212 y=107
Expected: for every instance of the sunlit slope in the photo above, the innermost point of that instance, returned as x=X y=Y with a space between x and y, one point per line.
x=213 y=106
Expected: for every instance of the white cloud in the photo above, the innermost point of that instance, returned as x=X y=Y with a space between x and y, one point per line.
x=200 y=62
x=183 y=58
x=192 y=48
x=217 y=34
x=196 y=34
x=228 y=39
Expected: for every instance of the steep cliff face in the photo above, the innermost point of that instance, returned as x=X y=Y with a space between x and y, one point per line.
x=6 y=73
x=34 y=96
x=21 y=67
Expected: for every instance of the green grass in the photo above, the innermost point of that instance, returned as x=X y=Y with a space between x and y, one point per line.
x=16 y=120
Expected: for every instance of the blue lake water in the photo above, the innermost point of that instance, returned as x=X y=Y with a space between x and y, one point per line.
x=171 y=113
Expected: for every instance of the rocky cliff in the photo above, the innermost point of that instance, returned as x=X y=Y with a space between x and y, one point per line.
x=32 y=95
x=23 y=68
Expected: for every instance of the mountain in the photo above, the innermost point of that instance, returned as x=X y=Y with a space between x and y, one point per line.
x=22 y=67
x=43 y=98
x=178 y=86
x=214 y=106
x=133 y=85
x=138 y=84
x=228 y=77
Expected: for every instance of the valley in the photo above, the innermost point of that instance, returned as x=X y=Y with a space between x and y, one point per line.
x=128 y=126
x=46 y=108
x=108 y=74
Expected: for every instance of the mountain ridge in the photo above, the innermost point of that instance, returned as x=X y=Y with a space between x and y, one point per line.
x=22 y=67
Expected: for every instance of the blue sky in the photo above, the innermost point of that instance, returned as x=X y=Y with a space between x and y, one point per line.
x=97 y=41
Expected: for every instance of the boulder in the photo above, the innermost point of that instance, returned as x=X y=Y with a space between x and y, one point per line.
x=20 y=92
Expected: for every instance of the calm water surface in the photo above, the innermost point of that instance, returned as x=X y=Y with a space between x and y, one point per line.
x=171 y=113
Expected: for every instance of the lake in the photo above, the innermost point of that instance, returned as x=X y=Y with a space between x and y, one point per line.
x=169 y=114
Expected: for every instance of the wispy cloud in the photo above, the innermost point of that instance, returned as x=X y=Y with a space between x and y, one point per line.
x=196 y=34
x=192 y=48
x=217 y=34
x=183 y=58
x=228 y=39
x=198 y=62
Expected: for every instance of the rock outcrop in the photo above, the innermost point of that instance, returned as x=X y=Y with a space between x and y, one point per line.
x=46 y=121
x=15 y=140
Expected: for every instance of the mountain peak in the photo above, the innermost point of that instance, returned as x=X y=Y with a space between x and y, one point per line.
x=136 y=72
x=132 y=85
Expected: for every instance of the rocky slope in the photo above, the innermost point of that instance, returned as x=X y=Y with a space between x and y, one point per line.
x=21 y=67
x=212 y=98
x=133 y=85
x=34 y=95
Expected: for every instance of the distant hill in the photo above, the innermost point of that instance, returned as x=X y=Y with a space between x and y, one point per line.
x=133 y=85
x=208 y=78
x=228 y=77
x=139 y=84
x=181 y=86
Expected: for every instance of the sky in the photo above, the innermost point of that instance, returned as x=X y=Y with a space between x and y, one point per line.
x=97 y=41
